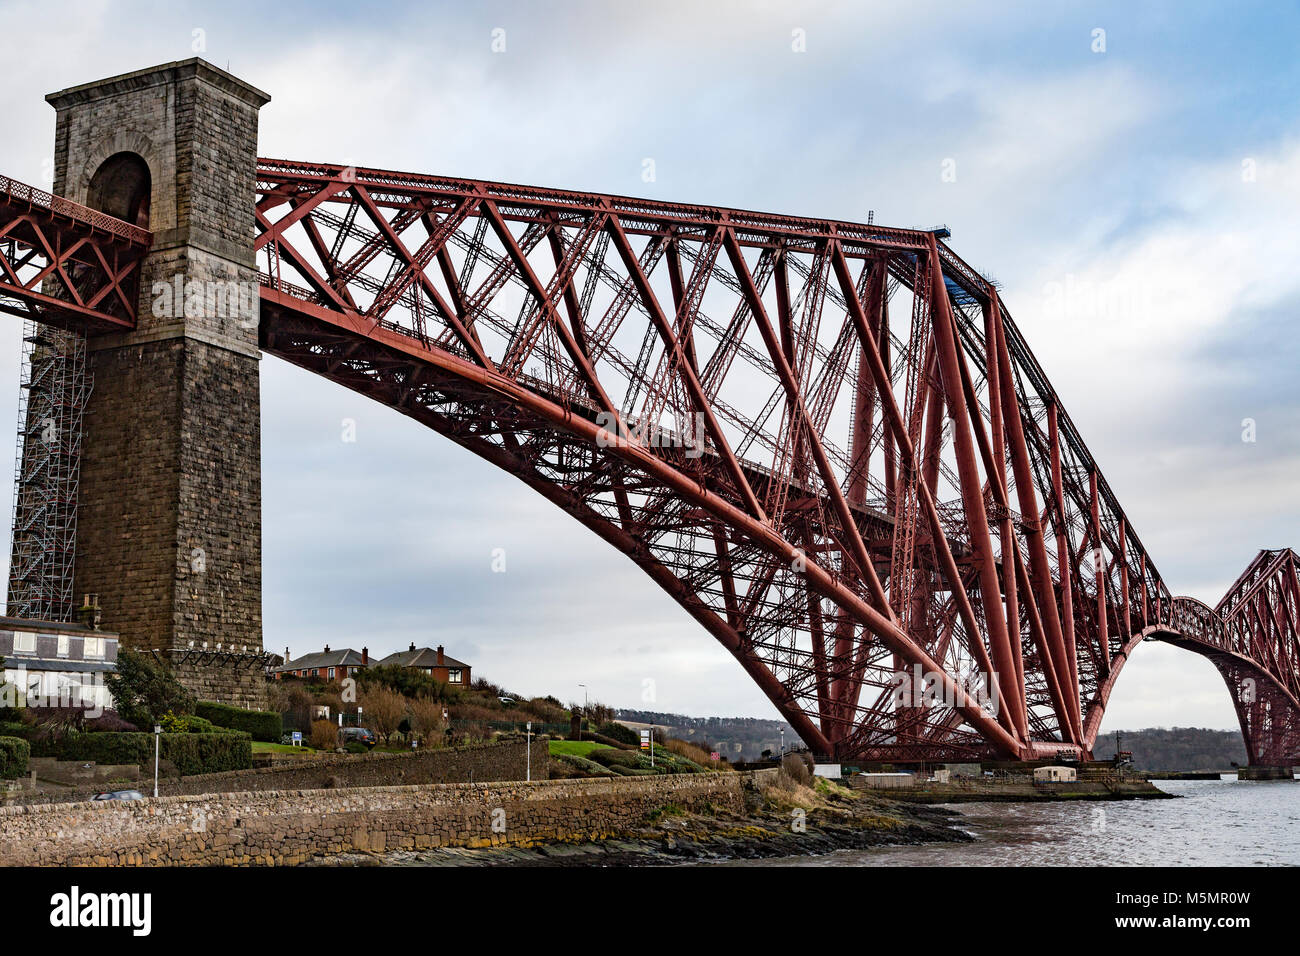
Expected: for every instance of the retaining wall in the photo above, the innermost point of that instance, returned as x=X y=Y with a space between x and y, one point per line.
x=469 y=764
x=287 y=827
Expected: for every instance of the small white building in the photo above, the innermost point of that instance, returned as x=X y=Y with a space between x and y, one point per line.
x=1055 y=775
x=883 y=781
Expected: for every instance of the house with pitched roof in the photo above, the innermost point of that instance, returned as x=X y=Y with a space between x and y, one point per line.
x=327 y=664
x=433 y=661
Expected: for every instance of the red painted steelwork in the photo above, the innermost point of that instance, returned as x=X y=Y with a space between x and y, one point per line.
x=840 y=487
x=849 y=506
x=66 y=265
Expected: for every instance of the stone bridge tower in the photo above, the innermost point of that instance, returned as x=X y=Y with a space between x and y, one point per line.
x=169 y=526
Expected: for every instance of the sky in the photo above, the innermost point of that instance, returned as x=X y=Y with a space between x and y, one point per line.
x=1130 y=174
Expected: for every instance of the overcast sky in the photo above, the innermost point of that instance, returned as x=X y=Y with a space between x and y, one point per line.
x=1136 y=192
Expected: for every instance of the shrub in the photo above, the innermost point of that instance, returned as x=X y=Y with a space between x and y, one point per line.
x=407 y=682
x=143 y=689
x=572 y=765
x=190 y=753
x=293 y=701
x=14 y=752
x=259 y=724
x=208 y=753
x=620 y=732
x=796 y=768
x=426 y=718
x=694 y=753
x=44 y=738
x=324 y=735
x=355 y=748
x=109 y=722
x=636 y=763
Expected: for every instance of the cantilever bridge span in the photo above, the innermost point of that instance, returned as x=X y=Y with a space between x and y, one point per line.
x=827 y=441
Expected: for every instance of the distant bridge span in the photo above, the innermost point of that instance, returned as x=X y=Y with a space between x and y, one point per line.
x=826 y=440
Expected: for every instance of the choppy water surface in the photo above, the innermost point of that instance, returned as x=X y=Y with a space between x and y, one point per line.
x=1217 y=822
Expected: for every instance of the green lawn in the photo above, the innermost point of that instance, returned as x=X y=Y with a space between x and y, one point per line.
x=576 y=748
x=262 y=747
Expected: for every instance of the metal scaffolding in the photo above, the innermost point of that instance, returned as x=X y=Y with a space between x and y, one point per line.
x=55 y=387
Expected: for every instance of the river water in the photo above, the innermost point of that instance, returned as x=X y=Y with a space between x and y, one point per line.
x=1215 y=823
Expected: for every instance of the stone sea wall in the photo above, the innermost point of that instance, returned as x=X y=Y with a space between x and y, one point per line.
x=280 y=827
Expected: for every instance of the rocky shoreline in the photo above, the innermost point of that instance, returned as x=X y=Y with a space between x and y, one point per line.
x=780 y=828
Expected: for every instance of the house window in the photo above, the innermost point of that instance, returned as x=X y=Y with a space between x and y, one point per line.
x=331 y=673
x=453 y=675
x=93 y=647
x=63 y=645
x=24 y=642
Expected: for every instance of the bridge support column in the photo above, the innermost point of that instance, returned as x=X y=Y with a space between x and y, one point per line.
x=169 y=532
x=1266 y=773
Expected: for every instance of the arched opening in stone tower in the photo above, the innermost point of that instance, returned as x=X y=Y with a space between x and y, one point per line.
x=121 y=187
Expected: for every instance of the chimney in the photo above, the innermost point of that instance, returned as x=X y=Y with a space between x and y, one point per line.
x=440 y=657
x=89 y=613
x=286 y=653
x=327 y=648
x=412 y=645
x=365 y=656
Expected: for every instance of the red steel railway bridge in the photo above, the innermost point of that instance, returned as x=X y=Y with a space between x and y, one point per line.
x=828 y=441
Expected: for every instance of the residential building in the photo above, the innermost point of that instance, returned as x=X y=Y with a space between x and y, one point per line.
x=431 y=661
x=326 y=664
x=50 y=664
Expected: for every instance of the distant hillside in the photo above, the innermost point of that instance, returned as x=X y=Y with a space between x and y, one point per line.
x=1177 y=748
x=1155 y=748
x=736 y=738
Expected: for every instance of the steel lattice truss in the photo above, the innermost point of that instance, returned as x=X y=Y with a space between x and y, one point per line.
x=827 y=441
x=66 y=265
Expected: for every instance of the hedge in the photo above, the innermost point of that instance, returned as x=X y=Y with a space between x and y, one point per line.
x=14 y=752
x=620 y=732
x=262 y=725
x=192 y=724
x=41 y=744
x=189 y=753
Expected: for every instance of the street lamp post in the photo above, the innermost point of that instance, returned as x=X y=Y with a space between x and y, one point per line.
x=584 y=709
x=528 y=749
x=157 y=738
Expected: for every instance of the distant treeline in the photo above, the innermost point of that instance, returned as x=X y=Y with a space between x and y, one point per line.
x=1155 y=748
x=736 y=738
x=1176 y=748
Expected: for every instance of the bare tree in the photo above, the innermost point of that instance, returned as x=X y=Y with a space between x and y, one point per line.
x=426 y=718
x=383 y=710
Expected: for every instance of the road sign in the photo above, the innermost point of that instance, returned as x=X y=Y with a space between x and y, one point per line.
x=297 y=738
x=645 y=740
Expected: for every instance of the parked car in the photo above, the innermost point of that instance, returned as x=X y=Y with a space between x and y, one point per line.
x=120 y=795
x=357 y=735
